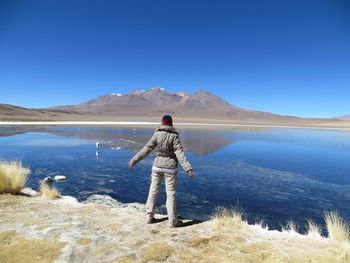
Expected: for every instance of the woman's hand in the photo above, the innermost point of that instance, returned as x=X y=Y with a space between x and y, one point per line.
x=190 y=173
x=131 y=164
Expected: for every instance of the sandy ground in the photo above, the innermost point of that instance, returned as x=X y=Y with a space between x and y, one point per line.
x=34 y=229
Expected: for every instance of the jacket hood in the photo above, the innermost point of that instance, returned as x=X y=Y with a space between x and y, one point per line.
x=167 y=128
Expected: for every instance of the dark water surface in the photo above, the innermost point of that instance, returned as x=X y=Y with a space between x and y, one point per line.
x=276 y=175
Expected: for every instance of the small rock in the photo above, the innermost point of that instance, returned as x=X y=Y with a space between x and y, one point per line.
x=68 y=200
x=29 y=191
x=59 y=177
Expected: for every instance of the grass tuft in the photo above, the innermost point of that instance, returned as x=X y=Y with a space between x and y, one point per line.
x=13 y=177
x=291 y=227
x=228 y=217
x=235 y=213
x=48 y=192
x=337 y=227
x=157 y=251
x=313 y=230
x=224 y=213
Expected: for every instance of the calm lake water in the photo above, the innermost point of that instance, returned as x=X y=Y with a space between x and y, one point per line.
x=275 y=175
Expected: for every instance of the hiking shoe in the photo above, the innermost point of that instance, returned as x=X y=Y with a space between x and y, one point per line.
x=151 y=220
x=178 y=224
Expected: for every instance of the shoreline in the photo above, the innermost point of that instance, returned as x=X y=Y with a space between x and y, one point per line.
x=195 y=125
x=105 y=230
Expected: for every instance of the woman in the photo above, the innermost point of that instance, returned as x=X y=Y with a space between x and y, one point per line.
x=169 y=152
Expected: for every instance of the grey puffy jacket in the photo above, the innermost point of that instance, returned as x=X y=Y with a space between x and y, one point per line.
x=168 y=148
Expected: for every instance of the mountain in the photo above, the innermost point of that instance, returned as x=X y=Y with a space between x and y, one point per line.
x=157 y=101
x=343 y=117
x=202 y=106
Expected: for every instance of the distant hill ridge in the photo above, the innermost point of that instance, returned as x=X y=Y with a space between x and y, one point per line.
x=8 y=111
x=344 y=117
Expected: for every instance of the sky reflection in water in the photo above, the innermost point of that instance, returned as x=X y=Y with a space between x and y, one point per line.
x=276 y=175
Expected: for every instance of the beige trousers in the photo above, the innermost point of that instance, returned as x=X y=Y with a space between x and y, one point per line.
x=170 y=187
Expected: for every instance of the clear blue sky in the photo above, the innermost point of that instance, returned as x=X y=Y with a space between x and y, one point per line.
x=285 y=57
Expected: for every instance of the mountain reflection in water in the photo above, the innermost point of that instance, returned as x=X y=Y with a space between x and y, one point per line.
x=197 y=142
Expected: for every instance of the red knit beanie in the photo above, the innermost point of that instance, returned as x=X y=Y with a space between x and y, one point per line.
x=167 y=120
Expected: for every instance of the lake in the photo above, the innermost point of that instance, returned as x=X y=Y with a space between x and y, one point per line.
x=275 y=175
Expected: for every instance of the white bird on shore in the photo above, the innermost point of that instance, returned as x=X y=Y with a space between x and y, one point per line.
x=97 y=145
x=48 y=180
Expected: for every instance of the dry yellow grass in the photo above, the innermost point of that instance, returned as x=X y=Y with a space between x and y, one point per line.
x=228 y=238
x=16 y=249
x=157 y=251
x=48 y=192
x=290 y=227
x=33 y=222
x=313 y=229
x=106 y=247
x=228 y=218
x=234 y=214
x=127 y=259
x=338 y=228
x=235 y=241
x=41 y=227
x=13 y=177
x=115 y=227
x=84 y=241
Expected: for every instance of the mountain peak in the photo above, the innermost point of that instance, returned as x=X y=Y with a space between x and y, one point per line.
x=157 y=88
x=204 y=92
x=182 y=94
x=136 y=92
